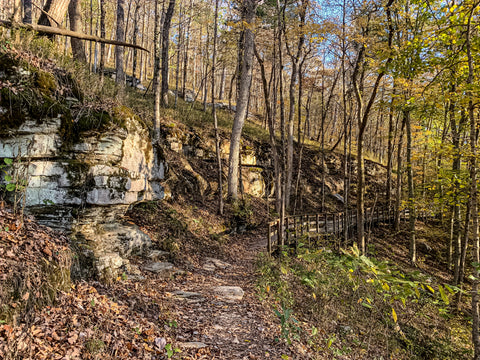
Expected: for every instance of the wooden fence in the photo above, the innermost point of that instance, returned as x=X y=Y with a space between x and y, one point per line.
x=321 y=226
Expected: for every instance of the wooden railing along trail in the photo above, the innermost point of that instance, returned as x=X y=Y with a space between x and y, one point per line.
x=318 y=226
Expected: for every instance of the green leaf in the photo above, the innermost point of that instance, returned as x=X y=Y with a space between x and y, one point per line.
x=284 y=357
x=8 y=178
x=450 y=290
x=367 y=261
x=168 y=347
x=394 y=315
x=443 y=295
x=10 y=187
x=8 y=161
x=417 y=292
x=430 y=289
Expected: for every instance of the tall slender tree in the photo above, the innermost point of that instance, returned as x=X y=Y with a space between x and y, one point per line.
x=120 y=36
x=165 y=46
x=248 y=8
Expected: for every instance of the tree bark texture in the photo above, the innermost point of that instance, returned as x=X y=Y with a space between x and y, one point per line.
x=249 y=8
x=27 y=11
x=74 y=14
x=165 y=45
x=120 y=36
x=56 y=10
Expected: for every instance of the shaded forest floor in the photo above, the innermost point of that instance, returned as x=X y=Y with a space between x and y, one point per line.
x=309 y=305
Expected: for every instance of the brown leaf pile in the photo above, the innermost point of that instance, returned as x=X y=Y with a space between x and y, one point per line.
x=34 y=266
x=83 y=325
x=43 y=316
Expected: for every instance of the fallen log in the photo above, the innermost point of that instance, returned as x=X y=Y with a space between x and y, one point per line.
x=65 y=32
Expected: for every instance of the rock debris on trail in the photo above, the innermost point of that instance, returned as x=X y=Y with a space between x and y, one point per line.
x=216 y=314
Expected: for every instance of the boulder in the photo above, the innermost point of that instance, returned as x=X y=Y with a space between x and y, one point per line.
x=229 y=293
x=162 y=268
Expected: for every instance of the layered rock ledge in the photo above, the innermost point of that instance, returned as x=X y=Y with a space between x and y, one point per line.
x=83 y=182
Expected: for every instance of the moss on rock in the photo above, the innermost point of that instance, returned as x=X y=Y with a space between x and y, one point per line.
x=45 y=81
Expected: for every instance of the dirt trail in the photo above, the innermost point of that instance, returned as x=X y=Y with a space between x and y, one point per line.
x=222 y=326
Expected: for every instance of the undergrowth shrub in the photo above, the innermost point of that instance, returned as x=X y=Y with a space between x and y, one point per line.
x=349 y=303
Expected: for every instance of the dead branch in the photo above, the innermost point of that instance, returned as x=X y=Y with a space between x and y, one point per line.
x=65 y=32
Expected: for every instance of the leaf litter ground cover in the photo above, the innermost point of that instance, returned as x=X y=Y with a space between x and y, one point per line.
x=44 y=317
x=133 y=318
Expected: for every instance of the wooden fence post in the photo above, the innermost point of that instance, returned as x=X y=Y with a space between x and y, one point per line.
x=301 y=226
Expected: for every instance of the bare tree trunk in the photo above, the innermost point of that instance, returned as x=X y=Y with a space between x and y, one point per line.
x=390 y=148
x=56 y=10
x=214 y=113
x=362 y=117
x=90 y=52
x=143 y=59
x=205 y=83
x=27 y=11
x=222 y=83
x=74 y=13
x=295 y=60
x=411 y=194
x=270 y=114
x=185 y=53
x=134 y=41
x=181 y=33
x=156 y=75
x=120 y=36
x=165 y=45
x=283 y=160
x=249 y=8
x=398 y=193
x=473 y=192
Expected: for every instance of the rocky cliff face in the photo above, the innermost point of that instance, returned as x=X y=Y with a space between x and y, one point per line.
x=83 y=183
x=255 y=158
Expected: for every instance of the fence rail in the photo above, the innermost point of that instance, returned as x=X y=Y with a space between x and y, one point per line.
x=319 y=226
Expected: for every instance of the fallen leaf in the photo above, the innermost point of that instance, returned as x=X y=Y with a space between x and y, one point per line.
x=72 y=339
x=160 y=343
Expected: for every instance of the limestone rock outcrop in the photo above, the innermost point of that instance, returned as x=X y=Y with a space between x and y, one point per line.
x=82 y=183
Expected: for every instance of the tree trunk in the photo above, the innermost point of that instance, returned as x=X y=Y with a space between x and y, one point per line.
x=473 y=193
x=390 y=148
x=295 y=61
x=56 y=10
x=74 y=14
x=120 y=36
x=181 y=33
x=398 y=192
x=411 y=194
x=249 y=8
x=362 y=117
x=156 y=75
x=165 y=45
x=222 y=83
x=134 y=41
x=185 y=53
x=27 y=11
x=214 y=113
